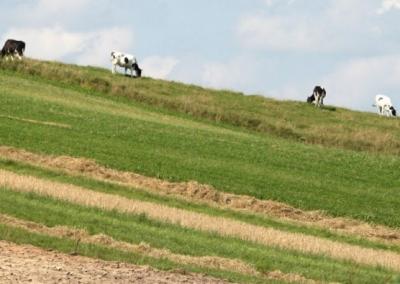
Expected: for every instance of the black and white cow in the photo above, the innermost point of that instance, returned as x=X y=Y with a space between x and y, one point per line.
x=13 y=48
x=317 y=96
x=126 y=61
x=384 y=105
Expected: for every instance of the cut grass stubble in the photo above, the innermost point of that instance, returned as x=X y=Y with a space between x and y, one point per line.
x=195 y=192
x=221 y=226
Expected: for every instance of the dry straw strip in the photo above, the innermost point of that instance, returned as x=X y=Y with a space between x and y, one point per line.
x=202 y=222
x=47 y=123
x=193 y=191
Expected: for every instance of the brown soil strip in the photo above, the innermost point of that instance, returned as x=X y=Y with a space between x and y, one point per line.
x=48 y=123
x=27 y=264
x=82 y=236
x=193 y=191
x=202 y=222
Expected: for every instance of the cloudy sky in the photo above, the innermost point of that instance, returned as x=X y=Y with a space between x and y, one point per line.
x=276 y=48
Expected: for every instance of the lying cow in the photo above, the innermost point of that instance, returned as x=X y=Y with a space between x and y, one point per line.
x=384 y=105
x=13 y=48
x=126 y=61
x=317 y=96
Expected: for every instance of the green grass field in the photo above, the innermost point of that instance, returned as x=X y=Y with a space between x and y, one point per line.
x=333 y=160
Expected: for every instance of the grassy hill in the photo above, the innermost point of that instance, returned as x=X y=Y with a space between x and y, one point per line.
x=295 y=193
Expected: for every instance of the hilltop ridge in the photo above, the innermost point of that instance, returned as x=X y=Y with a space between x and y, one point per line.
x=296 y=121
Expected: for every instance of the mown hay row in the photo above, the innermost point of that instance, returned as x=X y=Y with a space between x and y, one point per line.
x=202 y=222
x=193 y=191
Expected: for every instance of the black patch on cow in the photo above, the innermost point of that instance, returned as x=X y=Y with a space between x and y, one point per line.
x=137 y=69
x=319 y=90
x=394 y=113
x=126 y=60
x=310 y=99
x=11 y=47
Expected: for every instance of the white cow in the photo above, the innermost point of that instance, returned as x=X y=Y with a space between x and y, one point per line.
x=126 y=61
x=384 y=105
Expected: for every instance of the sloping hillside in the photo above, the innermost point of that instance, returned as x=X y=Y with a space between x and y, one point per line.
x=335 y=127
x=240 y=188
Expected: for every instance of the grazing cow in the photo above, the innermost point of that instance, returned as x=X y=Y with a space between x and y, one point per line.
x=126 y=61
x=13 y=47
x=384 y=105
x=317 y=96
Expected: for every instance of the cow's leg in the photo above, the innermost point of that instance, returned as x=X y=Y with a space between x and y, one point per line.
x=113 y=69
x=384 y=111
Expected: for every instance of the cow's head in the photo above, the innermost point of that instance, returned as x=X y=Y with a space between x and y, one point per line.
x=115 y=57
x=392 y=109
x=310 y=99
x=137 y=69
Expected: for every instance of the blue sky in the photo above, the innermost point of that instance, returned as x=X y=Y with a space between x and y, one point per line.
x=276 y=48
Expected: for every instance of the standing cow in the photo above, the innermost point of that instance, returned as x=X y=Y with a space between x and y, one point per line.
x=384 y=105
x=13 y=48
x=317 y=96
x=126 y=61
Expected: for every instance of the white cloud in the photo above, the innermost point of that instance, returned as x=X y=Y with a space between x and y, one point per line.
x=48 y=43
x=351 y=84
x=355 y=83
x=158 y=67
x=60 y=6
x=219 y=75
x=45 y=13
x=238 y=73
x=90 y=48
x=99 y=44
x=336 y=25
x=278 y=33
x=271 y=3
x=388 y=5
